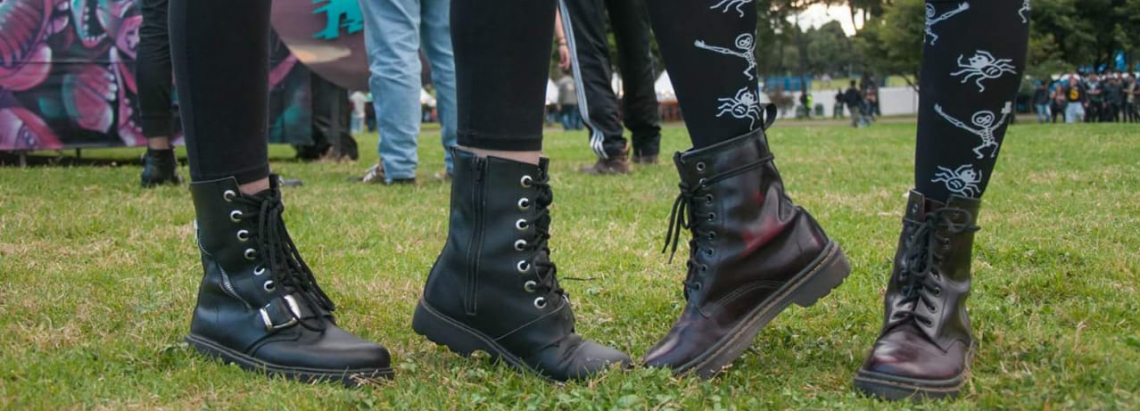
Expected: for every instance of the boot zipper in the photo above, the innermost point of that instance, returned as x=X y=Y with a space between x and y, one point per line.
x=476 y=243
x=228 y=286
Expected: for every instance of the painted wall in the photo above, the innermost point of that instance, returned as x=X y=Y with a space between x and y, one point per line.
x=67 y=77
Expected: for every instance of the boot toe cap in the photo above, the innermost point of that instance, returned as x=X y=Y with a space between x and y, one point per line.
x=332 y=349
x=578 y=359
x=915 y=358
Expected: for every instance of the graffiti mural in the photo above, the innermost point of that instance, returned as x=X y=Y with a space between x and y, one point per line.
x=67 y=77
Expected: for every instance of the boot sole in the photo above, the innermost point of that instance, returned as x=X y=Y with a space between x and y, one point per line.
x=895 y=388
x=461 y=339
x=813 y=283
x=348 y=377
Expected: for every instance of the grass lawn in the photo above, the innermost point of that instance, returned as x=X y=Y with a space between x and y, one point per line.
x=98 y=278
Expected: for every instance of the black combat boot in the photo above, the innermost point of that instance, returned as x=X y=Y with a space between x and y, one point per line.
x=752 y=254
x=925 y=346
x=259 y=305
x=159 y=167
x=494 y=288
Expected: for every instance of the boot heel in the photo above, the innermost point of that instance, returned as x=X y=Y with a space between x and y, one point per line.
x=446 y=332
x=828 y=275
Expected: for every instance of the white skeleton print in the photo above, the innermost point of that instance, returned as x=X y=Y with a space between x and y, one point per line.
x=728 y=4
x=931 y=19
x=746 y=49
x=983 y=66
x=986 y=124
x=1024 y=9
x=746 y=104
x=962 y=181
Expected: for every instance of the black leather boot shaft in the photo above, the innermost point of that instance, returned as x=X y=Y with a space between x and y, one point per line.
x=494 y=287
x=752 y=253
x=159 y=167
x=259 y=305
x=924 y=347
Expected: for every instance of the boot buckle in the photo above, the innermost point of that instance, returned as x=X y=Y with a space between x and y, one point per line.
x=291 y=303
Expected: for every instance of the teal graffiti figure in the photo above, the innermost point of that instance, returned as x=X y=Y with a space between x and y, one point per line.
x=337 y=11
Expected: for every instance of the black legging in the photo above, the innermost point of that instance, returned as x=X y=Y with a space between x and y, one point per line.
x=974 y=56
x=220 y=50
x=153 y=71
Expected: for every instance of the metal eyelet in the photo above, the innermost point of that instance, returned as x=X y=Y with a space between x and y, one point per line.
x=235 y=216
x=526 y=181
x=520 y=245
x=522 y=224
x=250 y=254
x=524 y=204
x=709 y=252
x=530 y=286
x=702 y=182
x=712 y=216
x=937 y=291
x=268 y=286
x=540 y=303
x=701 y=167
x=229 y=196
x=704 y=268
x=259 y=270
x=709 y=199
x=243 y=235
x=712 y=235
x=697 y=286
x=523 y=266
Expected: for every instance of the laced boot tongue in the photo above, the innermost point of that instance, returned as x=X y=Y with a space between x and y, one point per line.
x=289 y=271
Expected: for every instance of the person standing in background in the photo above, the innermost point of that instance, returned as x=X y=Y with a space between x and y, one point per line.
x=568 y=101
x=1132 y=99
x=582 y=32
x=1113 y=98
x=1041 y=102
x=395 y=31
x=1094 y=90
x=854 y=101
x=155 y=78
x=359 y=100
x=1059 y=101
x=1077 y=99
x=837 y=109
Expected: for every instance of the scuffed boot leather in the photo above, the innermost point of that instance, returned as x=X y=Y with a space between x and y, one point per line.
x=753 y=253
x=259 y=305
x=925 y=345
x=494 y=288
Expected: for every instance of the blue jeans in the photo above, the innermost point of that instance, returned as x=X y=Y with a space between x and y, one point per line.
x=1074 y=112
x=395 y=31
x=1043 y=113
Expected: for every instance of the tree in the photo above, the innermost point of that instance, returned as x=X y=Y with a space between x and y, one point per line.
x=892 y=44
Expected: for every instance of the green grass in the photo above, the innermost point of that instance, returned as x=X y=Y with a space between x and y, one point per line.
x=98 y=278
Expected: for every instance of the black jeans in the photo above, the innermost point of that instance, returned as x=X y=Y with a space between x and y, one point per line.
x=584 y=22
x=153 y=70
x=220 y=51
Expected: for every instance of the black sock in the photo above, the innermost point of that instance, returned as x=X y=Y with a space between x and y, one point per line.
x=972 y=62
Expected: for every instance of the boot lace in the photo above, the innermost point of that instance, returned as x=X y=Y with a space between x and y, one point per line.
x=545 y=269
x=922 y=261
x=286 y=267
x=686 y=214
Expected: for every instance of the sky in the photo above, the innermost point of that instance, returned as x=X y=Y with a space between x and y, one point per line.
x=818 y=15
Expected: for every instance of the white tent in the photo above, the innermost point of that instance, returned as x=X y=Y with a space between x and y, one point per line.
x=551 y=92
x=664 y=88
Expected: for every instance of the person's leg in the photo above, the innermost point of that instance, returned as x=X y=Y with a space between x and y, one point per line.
x=748 y=238
x=630 y=22
x=392 y=37
x=154 y=76
x=494 y=287
x=926 y=341
x=436 y=42
x=258 y=305
x=584 y=22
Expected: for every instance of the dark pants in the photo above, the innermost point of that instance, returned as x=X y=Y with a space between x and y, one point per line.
x=153 y=70
x=584 y=22
x=332 y=113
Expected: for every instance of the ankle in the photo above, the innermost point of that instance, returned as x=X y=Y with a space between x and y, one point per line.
x=254 y=187
x=529 y=157
x=158 y=143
